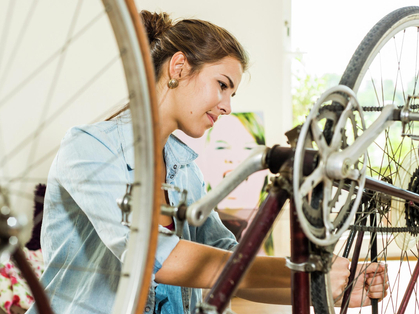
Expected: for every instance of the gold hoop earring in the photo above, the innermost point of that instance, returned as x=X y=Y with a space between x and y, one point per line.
x=173 y=83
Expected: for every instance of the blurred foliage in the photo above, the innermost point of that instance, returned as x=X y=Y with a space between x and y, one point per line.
x=306 y=88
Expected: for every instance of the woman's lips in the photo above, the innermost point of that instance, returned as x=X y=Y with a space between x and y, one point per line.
x=211 y=118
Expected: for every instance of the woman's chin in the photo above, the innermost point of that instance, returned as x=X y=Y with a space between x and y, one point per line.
x=195 y=133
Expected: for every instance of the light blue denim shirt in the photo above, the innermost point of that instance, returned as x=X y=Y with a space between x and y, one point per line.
x=82 y=240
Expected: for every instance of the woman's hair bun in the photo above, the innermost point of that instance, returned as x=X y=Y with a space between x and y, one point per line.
x=155 y=24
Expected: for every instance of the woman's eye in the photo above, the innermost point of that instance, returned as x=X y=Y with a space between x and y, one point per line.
x=222 y=85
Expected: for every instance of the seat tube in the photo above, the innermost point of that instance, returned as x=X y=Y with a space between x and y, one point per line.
x=300 y=281
x=242 y=257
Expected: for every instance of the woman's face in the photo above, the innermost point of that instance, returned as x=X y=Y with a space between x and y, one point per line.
x=201 y=99
x=229 y=144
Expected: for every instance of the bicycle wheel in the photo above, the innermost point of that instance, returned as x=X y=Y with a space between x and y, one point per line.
x=384 y=70
x=68 y=63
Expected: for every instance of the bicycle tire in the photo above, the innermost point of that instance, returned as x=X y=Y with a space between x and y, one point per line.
x=139 y=261
x=107 y=21
x=374 y=47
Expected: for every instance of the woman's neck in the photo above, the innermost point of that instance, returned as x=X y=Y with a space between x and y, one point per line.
x=167 y=119
x=167 y=127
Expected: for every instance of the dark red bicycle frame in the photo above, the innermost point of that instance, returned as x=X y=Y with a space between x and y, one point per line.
x=219 y=296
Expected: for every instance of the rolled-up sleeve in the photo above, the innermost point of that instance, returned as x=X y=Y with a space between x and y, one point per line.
x=95 y=175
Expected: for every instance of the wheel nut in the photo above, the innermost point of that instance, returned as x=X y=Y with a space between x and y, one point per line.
x=346 y=166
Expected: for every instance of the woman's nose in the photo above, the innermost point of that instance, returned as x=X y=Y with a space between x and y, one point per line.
x=225 y=106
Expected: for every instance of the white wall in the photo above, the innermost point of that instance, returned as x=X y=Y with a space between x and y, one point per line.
x=260 y=27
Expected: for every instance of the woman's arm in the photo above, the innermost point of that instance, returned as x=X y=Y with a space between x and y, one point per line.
x=198 y=266
x=268 y=280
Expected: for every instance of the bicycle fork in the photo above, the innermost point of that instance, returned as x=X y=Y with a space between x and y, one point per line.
x=229 y=280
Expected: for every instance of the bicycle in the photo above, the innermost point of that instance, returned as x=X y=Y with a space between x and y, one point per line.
x=55 y=56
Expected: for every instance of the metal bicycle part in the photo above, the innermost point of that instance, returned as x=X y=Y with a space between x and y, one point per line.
x=383 y=71
x=178 y=212
x=70 y=63
x=314 y=195
x=198 y=212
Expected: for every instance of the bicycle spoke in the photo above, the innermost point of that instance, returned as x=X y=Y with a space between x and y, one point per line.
x=38 y=70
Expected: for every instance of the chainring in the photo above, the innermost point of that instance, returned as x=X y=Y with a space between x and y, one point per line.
x=317 y=195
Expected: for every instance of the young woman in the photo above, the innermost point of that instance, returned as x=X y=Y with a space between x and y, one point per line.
x=198 y=69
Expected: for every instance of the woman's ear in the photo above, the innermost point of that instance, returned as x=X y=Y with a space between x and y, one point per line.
x=178 y=66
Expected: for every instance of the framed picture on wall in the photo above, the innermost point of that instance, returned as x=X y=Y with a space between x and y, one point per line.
x=221 y=150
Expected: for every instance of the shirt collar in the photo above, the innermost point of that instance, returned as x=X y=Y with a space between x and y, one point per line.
x=176 y=152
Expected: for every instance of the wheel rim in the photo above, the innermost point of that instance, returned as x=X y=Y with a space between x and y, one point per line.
x=77 y=47
x=386 y=158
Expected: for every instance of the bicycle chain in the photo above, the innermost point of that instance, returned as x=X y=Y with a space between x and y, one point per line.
x=383 y=229
x=338 y=107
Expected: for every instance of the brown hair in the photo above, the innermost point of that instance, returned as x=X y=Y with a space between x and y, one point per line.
x=202 y=42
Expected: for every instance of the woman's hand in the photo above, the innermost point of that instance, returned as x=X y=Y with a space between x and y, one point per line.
x=339 y=275
x=371 y=283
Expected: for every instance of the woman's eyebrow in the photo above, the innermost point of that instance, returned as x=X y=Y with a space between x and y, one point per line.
x=229 y=79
